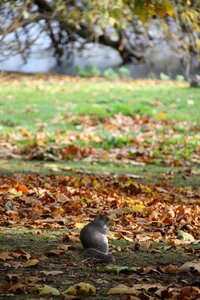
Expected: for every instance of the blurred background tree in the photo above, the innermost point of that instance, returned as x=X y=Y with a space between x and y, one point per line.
x=75 y=22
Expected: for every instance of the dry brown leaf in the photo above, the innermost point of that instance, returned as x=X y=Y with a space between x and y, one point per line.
x=5 y=256
x=53 y=272
x=190 y=266
x=122 y=289
x=55 y=252
x=70 y=237
x=64 y=247
x=12 y=277
x=189 y=292
x=13 y=264
x=17 y=288
x=170 y=269
x=21 y=253
x=148 y=286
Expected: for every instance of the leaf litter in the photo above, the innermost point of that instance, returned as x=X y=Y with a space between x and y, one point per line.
x=152 y=219
x=117 y=139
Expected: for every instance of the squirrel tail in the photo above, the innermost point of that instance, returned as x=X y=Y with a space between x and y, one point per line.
x=99 y=256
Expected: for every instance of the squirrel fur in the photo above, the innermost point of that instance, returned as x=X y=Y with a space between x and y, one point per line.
x=94 y=239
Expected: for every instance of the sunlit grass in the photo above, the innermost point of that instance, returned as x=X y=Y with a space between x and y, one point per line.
x=30 y=104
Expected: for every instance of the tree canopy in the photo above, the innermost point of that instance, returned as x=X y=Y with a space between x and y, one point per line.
x=67 y=21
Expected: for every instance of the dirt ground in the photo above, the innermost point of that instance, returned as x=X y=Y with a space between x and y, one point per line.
x=47 y=247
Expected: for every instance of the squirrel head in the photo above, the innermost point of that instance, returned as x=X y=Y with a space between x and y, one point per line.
x=103 y=222
x=104 y=219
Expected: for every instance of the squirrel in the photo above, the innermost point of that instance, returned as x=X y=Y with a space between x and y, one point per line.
x=94 y=239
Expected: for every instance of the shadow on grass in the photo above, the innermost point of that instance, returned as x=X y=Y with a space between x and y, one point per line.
x=179 y=176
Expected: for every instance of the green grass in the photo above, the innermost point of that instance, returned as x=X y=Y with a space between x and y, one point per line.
x=52 y=112
x=28 y=104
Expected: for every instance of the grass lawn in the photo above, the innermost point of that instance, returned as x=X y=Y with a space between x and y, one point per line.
x=30 y=101
x=152 y=121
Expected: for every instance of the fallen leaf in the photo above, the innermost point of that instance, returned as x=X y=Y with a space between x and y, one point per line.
x=53 y=272
x=47 y=289
x=5 y=256
x=70 y=237
x=81 y=288
x=22 y=188
x=12 y=277
x=64 y=247
x=21 y=253
x=13 y=264
x=15 y=193
x=148 y=286
x=135 y=209
x=190 y=266
x=17 y=288
x=161 y=116
x=169 y=269
x=55 y=252
x=30 y=263
x=122 y=289
x=189 y=292
x=182 y=235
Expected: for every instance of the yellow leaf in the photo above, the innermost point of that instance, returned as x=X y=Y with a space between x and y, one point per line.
x=95 y=184
x=135 y=208
x=30 y=263
x=81 y=288
x=161 y=116
x=47 y=289
x=163 y=7
x=79 y=225
x=41 y=143
x=58 y=212
x=14 y=193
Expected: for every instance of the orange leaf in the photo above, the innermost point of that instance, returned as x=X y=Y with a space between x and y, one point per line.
x=22 y=188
